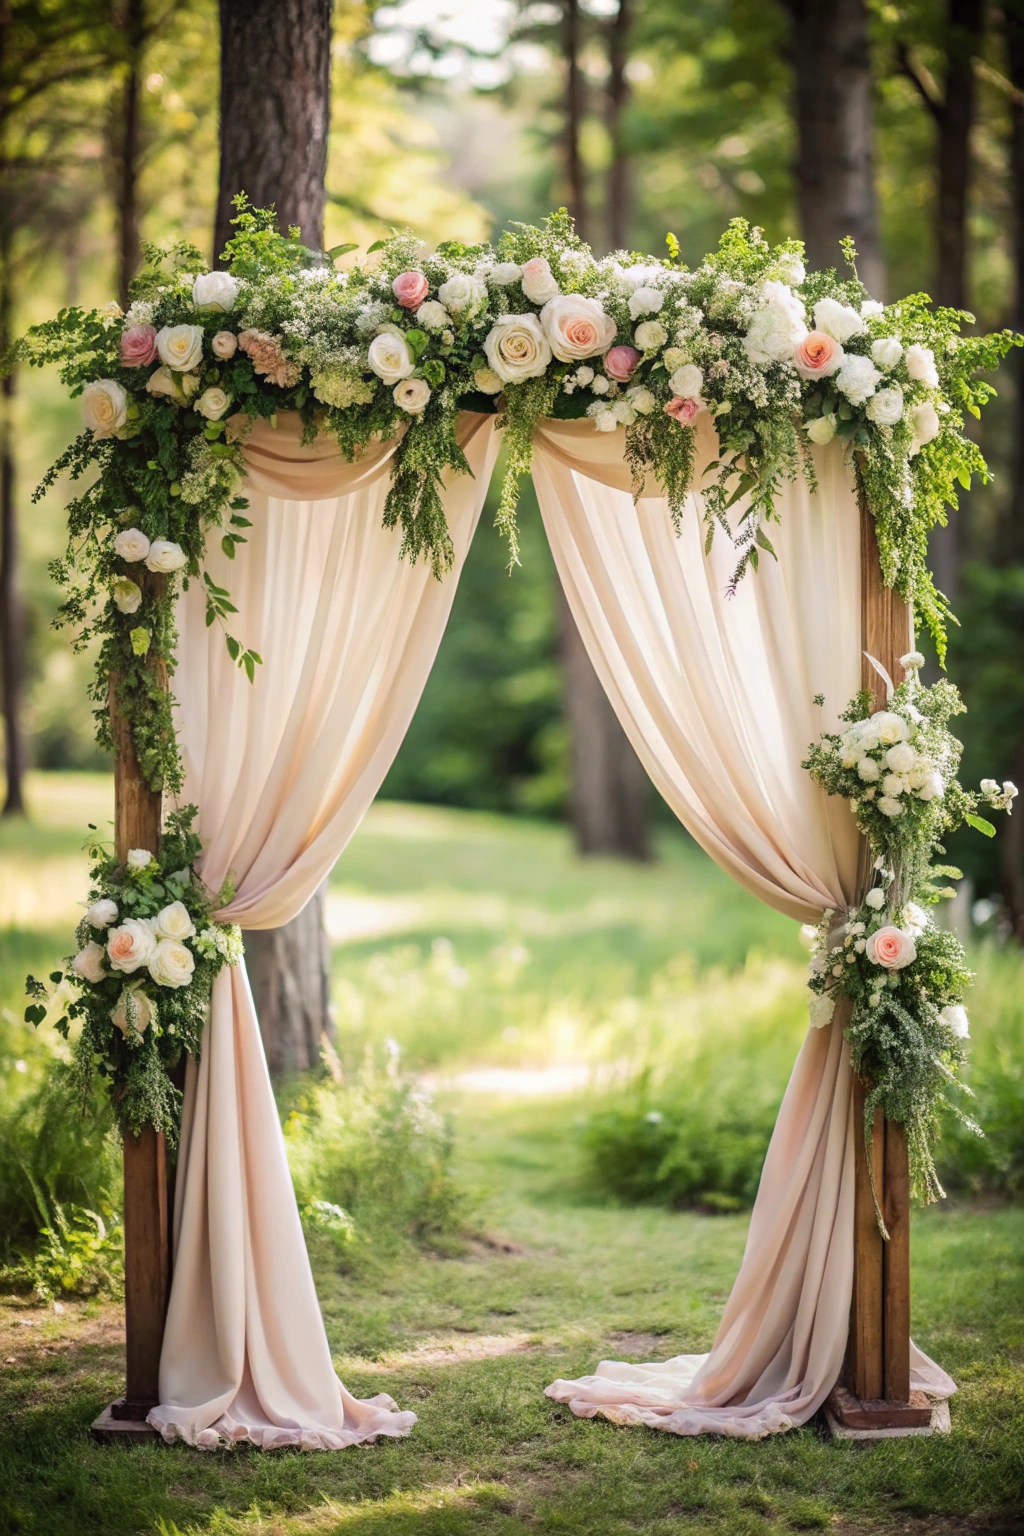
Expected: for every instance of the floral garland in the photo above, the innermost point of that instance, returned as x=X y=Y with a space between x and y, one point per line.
x=400 y=343
x=149 y=948
x=905 y=977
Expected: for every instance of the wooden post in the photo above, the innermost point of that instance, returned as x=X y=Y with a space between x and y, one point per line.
x=147 y=1251
x=876 y=1395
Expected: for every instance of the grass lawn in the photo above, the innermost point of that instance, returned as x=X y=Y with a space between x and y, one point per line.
x=504 y=967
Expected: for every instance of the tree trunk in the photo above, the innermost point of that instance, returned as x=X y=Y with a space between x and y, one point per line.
x=831 y=57
x=12 y=621
x=619 y=188
x=128 y=142
x=290 y=979
x=275 y=111
x=609 y=796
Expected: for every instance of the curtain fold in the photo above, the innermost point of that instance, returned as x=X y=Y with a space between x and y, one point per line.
x=715 y=691
x=283 y=771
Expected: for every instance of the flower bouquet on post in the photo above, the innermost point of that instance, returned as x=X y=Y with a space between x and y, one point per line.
x=904 y=976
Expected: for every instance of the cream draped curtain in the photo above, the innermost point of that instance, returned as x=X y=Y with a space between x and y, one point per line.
x=283 y=771
x=715 y=693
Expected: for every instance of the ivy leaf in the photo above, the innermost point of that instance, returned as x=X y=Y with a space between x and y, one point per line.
x=980 y=824
x=35 y=1014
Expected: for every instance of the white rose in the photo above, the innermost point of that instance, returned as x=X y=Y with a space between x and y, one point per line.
x=517 y=348
x=932 y=788
x=891 y=948
x=224 y=345
x=390 y=358
x=901 y=758
x=88 y=963
x=871 y=308
x=645 y=301
x=127 y=594
x=888 y=727
x=131 y=545
x=173 y=922
x=920 y=363
x=886 y=407
x=576 y=327
x=139 y=858
x=650 y=335
x=821 y=430
x=820 y=1008
x=925 y=425
x=133 y=1010
x=954 y=1016
x=432 y=316
x=857 y=378
x=215 y=290
x=165 y=556
x=889 y=807
x=487 y=381
x=104 y=407
x=171 y=964
x=180 y=346
x=131 y=945
x=875 y=899
x=504 y=273
x=212 y=403
x=411 y=395
x=868 y=769
x=837 y=320
x=102 y=913
x=539 y=284
x=687 y=382
x=463 y=293
x=886 y=352
x=641 y=399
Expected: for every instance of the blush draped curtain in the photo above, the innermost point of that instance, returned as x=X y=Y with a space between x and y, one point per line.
x=283 y=771
x=716 y=695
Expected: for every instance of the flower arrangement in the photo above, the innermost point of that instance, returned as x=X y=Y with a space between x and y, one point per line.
x=139 y=983
x=904 y=977
x=397 y=344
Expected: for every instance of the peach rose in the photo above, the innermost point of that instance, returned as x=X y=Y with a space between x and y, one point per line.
x=138 y=346
x=620 y=363
x=684 y=411
x=818 y=356
x=891 y=948
x=576 y=327
x=410 y=289
x=131 y=945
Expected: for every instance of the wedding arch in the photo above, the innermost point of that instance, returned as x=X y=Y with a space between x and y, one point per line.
x=339 y=430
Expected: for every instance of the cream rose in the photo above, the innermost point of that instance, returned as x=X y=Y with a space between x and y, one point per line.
x=212 y=403
x=517 y=348
x=131 y=545
x=88 y=963
x=463 y=294
x=134 y=1009
x=165 y=556
x=821 y=430
x=487 y=381
x=891 y=948
x=174 y=922
x=224 y=345
x=886 y=407
x=412 y=395
x=641 y=399
x=539 y=283
x=390 y=358
x=171 y=964
x=576 y=327
x=888 y=728
x=102 y=913
x=503 y=274
x=130 y=946
x=215 y=290
x=104 y=407
x=687 y=382
x=180 y=346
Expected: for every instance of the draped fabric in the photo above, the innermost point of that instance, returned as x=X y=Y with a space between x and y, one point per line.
x=283 y=771
x=716 y=692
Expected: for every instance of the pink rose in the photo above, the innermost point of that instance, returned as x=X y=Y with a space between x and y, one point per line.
x=410 y=289
x=891 y=948
x=138 y=346
x=684 y=411
x=620 y=363
x=818 y=356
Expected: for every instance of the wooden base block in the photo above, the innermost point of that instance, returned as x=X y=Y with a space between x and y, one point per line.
x=112 y=1427
x=853 y=1418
